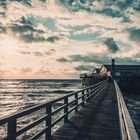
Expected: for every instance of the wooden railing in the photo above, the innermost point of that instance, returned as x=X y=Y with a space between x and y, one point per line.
x=79 y=99
x=127 y=129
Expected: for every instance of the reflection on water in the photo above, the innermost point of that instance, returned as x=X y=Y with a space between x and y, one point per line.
x=16 y=95
x=133 y=105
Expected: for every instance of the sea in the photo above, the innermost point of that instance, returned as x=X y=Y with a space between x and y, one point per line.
x=17 y=95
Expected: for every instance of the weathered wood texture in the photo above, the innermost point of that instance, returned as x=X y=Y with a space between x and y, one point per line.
x=98 y=120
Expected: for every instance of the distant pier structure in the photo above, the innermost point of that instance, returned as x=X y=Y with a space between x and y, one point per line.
x=127 y=76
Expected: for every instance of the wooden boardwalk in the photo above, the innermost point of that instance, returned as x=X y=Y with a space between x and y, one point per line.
x=103 y=116
x=98 y=120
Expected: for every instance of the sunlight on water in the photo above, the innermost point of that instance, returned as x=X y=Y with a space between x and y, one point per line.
x=16 y=95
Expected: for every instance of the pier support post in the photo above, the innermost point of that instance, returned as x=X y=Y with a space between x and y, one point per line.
x=66 y=110
x=83 y=98
x=48 y=122
x=87 y=94
x=12 y=129
x=76 y=102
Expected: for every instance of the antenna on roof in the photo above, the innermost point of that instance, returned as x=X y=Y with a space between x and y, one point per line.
x=113 y=68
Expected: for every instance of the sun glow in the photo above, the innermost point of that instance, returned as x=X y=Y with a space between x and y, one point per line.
x=9 y=45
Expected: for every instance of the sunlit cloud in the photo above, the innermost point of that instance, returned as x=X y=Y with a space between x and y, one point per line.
x=61 y=38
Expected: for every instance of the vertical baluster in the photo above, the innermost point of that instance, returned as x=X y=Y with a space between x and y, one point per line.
x=87 y=93
x=12 y=129
x=76 y=102
x=83 y=98
x=66 y=109
x=48 y=121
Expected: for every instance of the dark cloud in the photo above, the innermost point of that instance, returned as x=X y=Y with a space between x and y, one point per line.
x=29 y=33
x=3 y=14
x=3 y=3
x=136 y=5
x=2 y=29
x=109 y=12
x=90 y=58
x=38 y=54
x=85 y=36
x=32 y=38
x=52 y=39
x=63 y=60
x=105 y=8
x=24 y=28
x=50 y=52
x=26 y=2
x=102 y=59
x=135 y=34
x=111 y=44
x=32 y=20
x=84 y=68
x=124 y=4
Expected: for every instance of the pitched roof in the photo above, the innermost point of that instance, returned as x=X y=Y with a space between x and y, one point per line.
x=124 y=67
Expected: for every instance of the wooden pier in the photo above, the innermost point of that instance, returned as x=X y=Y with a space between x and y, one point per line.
x=98 y=120
x=100 y=114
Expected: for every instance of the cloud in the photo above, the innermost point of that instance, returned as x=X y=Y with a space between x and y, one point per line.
x=90 y=58
x=49 y=22
x=78 y=28
x=84 y=68
x=26 y=2
x=36 y=37
x=25 y=52
x=38 y=54
x=32 y=37
x=85 y=36
x=3 y=3
x=50 y=52
x=2 y=29
x=109 y=12
x=43 y=71
x=26 y=70
x=63 y=60
x=24 y=28
x=134 y=34
x=52 y=39
x=111 y=44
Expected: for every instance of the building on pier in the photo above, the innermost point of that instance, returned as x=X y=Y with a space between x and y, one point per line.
x=127 y=76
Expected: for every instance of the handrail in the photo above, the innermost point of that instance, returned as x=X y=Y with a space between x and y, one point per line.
x=80 y=98
x=127 y=129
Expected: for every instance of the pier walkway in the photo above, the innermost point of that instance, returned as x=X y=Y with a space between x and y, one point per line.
x=98 y=120
x=97 y=112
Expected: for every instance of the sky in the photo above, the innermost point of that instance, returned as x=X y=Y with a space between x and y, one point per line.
x=59 y=39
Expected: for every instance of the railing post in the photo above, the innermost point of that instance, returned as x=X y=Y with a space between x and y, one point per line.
x=83 y=98
x=48 y=122
x=87 y=94
x=66 y=109
x=76 y=102
x=12 y=129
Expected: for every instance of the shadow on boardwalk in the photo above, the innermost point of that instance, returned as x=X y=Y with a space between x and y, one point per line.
x=98 y=120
